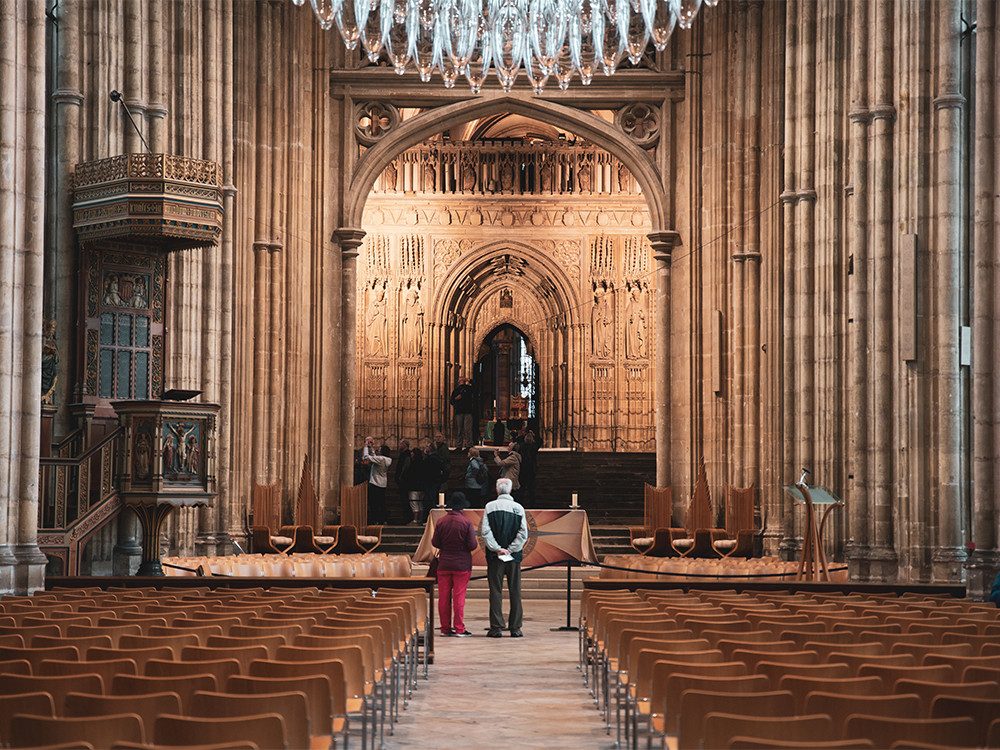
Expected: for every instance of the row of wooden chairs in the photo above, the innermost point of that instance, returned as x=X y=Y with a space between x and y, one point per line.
x=632 y=644
x=301 y=538
x=129 y=642
x=295 y=565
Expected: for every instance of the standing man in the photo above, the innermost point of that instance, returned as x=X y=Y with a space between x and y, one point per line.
x=528 y=447
x=510 y=468
x=505 y=532
x=462 y=400
x=441 y=448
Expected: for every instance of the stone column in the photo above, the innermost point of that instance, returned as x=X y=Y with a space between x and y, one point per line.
x=30 y=571
x=350 y=240
x=949 y=551
x=982 y=566
x=663 y=244
x=859 y=430
x=881 y=550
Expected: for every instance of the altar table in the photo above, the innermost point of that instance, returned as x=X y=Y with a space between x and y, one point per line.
x=554 y=536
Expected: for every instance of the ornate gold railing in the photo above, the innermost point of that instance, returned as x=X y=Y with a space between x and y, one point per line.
x=143 y=166
x=70 y=488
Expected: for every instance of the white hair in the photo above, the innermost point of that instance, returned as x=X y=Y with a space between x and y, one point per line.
x=504 y=486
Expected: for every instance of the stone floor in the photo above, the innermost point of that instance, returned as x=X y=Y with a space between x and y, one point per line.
x=504 y=693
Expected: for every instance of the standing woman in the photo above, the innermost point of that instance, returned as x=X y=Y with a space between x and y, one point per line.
x=455 y=538
x=477 y=477
x=380 y=461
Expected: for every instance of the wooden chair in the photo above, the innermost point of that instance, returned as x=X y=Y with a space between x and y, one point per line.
x=885 y=731
x=15 y=666
x=292 y=706
x=37 y=704
x=928 y=691
x=185 y=686
x=920 y=651
x=13 y=640
x=801 y=685
x=854 y=661
x=940 y=630
x=317 y=690
x=267 y=731
x=719 y=728
x=107 y=669
x=35 y=656
x=147 y=707
x=978 y=642
x=221 y=669
x=81 y=644
x=243 y=655
x=57 y=687
x=890 y=674
x=698 y=664
x=855 y=649
x=757 y=743
x=330 y=670
x=169 y=639
x=100 y=731
x=739 y=522
x=839 y=706
x=269 y=642
x=694 y=705
x=775 y=670
x=961 y=663
x=752 y=657
x=981 y=710
x=653 y=537
x=980 y=674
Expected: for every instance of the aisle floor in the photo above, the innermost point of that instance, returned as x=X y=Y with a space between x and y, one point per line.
x=504 y=692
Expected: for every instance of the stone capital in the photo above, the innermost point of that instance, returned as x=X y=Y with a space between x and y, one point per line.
x=883 y=112
x=349 y=239
x=68 y=96
x=951 y=100
x=157 y=110
x=663 y=244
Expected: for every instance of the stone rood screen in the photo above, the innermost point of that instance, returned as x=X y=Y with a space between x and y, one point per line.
x=507 y=167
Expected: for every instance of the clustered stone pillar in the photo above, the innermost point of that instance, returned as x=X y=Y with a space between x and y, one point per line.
x=985 y=560
x=349 y=239
x=22 y=250
x=663 y=244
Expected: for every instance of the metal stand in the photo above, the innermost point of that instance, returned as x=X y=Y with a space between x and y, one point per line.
x=569 y=586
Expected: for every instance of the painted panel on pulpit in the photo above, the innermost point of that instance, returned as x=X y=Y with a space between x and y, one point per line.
x=143 y=438
x=181 y=452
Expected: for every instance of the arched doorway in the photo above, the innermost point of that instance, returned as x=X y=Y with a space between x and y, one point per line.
x=506 y=382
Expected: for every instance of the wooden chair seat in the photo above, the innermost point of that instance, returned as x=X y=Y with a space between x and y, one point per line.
x=39 y=703
x=100 y=731
x=316 y=688
x=184 y=686
x=57 y=687
x=719 y=728
x=886 y=731
x=694 y=705
x=267 y=731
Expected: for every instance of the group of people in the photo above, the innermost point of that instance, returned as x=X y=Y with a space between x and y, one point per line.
x=422 y=472
x=505 y=531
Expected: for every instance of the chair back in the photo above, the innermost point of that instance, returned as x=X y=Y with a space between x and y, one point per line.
x=267 y=505
x=354 y=506
x=99 y=731
x=292 y=706
x=658 y=508
x=267 y=731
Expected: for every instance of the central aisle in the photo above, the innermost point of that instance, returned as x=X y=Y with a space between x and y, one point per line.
x=504 y=692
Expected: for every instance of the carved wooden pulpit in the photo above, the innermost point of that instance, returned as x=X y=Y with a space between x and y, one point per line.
x=168 y=461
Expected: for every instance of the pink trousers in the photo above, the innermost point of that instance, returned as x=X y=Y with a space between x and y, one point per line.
x=451 y=597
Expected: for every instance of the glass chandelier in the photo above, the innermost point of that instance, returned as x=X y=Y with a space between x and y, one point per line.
x=544 y=38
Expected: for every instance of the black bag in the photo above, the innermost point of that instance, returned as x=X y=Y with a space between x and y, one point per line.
x=482 y=473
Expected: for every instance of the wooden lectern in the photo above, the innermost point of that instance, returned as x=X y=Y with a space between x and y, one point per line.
x=812 y=565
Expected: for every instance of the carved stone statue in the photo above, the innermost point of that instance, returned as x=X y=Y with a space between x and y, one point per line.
x=600 y=322
x=412 y=324
x=50 y=360
x=635 y=333
x=376 y=322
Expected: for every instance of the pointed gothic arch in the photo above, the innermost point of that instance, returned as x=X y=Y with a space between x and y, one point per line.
x=433 y=121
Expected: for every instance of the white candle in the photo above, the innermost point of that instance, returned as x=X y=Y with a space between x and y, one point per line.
x=573 y=503
x=440 y=499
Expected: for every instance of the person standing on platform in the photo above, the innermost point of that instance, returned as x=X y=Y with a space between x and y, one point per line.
x=505 y=532
x=380 y=461
x=462 y=400
x=433 y=472
x=412 y=479
x=528 y=448
x=477 y=476
x=455 y=538
x=510 y=468
x=402 y=466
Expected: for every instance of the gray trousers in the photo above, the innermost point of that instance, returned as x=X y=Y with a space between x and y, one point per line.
x=496 y=571
x=463 y=431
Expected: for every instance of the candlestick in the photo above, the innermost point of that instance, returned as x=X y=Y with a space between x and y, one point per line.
x=440 y=499
x=573 y=501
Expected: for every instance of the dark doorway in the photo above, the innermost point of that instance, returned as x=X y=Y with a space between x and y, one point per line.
x=506 y=384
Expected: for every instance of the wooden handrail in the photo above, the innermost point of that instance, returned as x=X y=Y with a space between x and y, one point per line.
x=85 y=456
